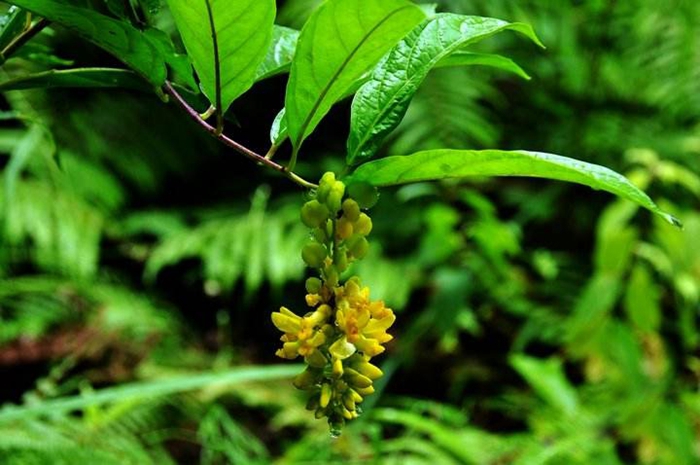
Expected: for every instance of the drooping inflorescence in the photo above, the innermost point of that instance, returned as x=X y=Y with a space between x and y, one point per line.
x=344 y=329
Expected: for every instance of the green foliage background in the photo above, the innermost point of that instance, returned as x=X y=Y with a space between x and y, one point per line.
x=539 y=323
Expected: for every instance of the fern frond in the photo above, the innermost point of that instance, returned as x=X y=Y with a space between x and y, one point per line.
x=447 y=112
x=254 y=247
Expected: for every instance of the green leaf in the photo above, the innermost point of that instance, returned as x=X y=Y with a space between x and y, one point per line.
x=547 y=378
x=149 y=389
x=230 y=38
x=278 y=131
x=431 y=165
x=642 y=299
x=460 y=58
x=381 y=103
x=11 y=25
x=339 y=43
x=78 y=77
x=279 y=55
x=140 y=50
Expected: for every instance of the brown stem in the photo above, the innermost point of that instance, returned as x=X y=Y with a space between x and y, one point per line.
x=170 y=90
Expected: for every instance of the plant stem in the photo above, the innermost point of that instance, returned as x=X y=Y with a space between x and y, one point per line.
x=22 y=39
x=170 y=90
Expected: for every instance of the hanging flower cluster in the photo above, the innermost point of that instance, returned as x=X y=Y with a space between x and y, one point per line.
x=343 y=329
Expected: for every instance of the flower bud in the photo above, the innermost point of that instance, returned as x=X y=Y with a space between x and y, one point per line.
x=349 y=401
x=326 y=392
x=351 y=210
x=324 y=186
x=316 y=359
x=343 y=228
x=341 y=260
x=320 y=234
x=313 y=285
x=305 y=380
x=335 y=197
x=356 y=380
x=313 y=254
x=363 y=225
x=358 y=246
x=314 y=213
x=368 y=370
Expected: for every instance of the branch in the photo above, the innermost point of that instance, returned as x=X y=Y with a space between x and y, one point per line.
x=261 y=160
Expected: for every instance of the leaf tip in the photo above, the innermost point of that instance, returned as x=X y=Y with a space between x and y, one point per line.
x=672 y=220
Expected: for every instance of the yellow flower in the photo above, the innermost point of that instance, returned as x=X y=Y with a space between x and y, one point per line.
x=363 y=322
x=302 y=335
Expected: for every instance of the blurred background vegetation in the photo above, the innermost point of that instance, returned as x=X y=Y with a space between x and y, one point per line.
x=538 y=323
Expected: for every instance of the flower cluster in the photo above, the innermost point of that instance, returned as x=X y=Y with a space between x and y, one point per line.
x=343 y=329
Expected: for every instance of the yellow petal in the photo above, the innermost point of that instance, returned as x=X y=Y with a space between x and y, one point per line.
x=342 y=349
x=326 y=392
x=286 y=323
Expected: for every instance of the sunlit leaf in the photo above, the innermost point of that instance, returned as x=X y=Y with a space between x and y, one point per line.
x=279 y=55
x=445 y=163
x=230 y=36
x=11 y=24
x=381 y=103
x=341 y=41
x=460 y=58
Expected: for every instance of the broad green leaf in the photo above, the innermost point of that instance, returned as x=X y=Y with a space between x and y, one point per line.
x=279 y=55
x=278 y=131
x=231 y=36
x=78 y=77
x=11 y=25
x=445 y=163
x=381 y=103
x=141 y=50
x=460 y=58
x=339 y=43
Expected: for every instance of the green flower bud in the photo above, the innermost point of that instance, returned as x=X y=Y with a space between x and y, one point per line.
x=316 y=359
x=306 y=379
x=314 y=254
x=314 y=213
x=341 y=260
x=320 y=234
x=356 y=380
x=343 y=228
x=358 y=246
x=313 y=285
x=324 y=186
x=363 y=225
x=312 y=403
x=335 y=197
x=351 y=210
x=365 y=194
